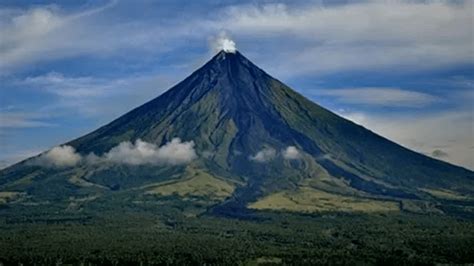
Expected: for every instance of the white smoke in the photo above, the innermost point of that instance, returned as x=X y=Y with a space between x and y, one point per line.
x=61 y=156
x=223 y=43
x=291 y=153
x=264 y=155
x=173 y=153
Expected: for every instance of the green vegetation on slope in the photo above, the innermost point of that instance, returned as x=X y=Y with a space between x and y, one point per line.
x=306 y=199
x=196 y=183
x=446 y=194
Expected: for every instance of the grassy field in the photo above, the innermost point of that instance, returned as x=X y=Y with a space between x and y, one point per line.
x=307 y=199
x=446 y=194
x=196 y=183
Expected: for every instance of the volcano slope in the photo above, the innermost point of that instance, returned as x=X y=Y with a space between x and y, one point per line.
x=251 y=154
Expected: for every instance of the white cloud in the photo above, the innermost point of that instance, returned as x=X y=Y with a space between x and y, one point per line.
x=315 y=38
x=309 y=38
x=268 y=154
x=379 y=96
x=223 y=43
x=264 y=155
x=28 y=33
x=141 y=152
x=61 y=156
x=450 y=131
x=291 y=153
x=60 y=85
x=48 y=32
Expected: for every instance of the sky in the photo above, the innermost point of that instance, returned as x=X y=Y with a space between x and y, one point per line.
x=403 y=69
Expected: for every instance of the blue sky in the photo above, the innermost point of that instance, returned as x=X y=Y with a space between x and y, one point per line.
x=404 y=69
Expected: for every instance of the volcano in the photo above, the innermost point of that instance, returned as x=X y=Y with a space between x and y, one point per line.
x=256 y=145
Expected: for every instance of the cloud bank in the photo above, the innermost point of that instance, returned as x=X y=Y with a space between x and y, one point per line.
x=172 y=153
x=58 y=157
x=268 y=154
x=317 y=38
x=141 y=152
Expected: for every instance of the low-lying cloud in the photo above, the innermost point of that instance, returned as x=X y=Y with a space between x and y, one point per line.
x=264 y=155
x=268 y=154
x=172 y=153
x=58 y=157
x=140 y=152
x=291 y=153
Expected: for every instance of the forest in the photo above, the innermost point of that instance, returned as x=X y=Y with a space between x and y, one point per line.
x=170 y=236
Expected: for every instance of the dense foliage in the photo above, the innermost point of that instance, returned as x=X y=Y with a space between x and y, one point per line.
x=166 y=237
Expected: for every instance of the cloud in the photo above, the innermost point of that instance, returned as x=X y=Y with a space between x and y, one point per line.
x=172 y=153
x=452 y=131
x=141 y=152
x=223 y=43
x=48 y=32
x=382 y=96
x=28 y=33
x=309 y=38
x=268 y=154
x=60 y=85
x=86 y=95
x=61 y=156
x=14 y=119
x=291 y=153
x=318 y=38
x=263 y=155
